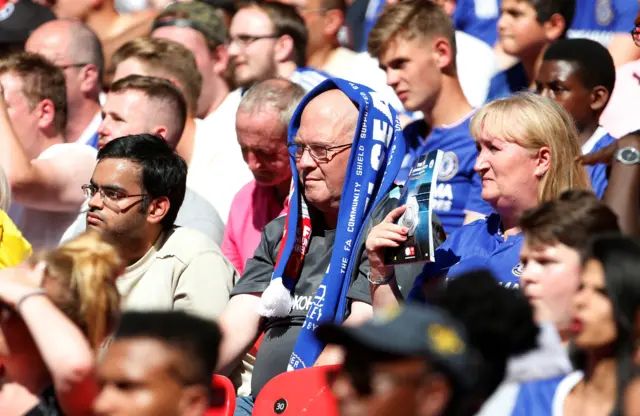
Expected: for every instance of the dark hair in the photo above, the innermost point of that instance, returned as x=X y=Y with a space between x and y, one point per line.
x=196 y=339
x=164 y=172
x=41 y=80
x=571 y=220
x=620 y=258
x=162 y=91
x=593 y=61
x=286 y=21
x=499 y=323
x=547 y=8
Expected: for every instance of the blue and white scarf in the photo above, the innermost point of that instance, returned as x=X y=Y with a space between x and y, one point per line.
x=376 y=156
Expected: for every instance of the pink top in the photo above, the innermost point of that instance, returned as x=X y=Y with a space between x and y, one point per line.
x=253 y=207
x=621 y=115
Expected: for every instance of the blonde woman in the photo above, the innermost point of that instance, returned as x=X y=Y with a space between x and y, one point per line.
x=55 y=313
x=527 y=145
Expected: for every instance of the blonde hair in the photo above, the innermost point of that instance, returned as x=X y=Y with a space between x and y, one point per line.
x=533 y=121
x=80 y=279
x=5 y=191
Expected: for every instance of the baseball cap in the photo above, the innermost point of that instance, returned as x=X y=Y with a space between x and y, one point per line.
x=412 y=330
x=18 y=20
x=196 y=15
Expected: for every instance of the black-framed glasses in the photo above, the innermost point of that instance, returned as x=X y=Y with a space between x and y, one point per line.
x=242 y=41
x=635 y=35
x=318 y=153
x=110 y=197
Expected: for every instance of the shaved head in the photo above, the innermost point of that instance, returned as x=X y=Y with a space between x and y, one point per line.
x=71 y=41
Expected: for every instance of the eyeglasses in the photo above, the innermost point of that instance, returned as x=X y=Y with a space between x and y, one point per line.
x=110 y=197
x=76 y=65
x=317 y=152
x=635 y=35
x=242 y=41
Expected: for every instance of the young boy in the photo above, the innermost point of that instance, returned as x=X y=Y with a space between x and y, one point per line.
x=525 y=29
x=580 y=74
x=414 y=40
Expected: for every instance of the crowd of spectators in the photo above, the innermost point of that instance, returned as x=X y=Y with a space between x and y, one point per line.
x=202 y=190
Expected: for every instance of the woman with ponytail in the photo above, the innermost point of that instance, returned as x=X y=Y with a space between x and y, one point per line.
x=55 y=312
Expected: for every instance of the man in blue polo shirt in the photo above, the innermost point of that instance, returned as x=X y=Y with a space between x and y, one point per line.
x=419 y=59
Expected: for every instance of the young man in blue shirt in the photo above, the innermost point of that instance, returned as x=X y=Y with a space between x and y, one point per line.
x=525 y=29
x=579 y=74
x=415 y=43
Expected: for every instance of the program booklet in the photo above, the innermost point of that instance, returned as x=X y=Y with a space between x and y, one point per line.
x=417 y=194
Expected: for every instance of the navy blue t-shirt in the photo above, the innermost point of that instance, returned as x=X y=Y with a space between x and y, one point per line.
x=508 y=82
x=599 y=20
x=479 y=245
x=459 y=186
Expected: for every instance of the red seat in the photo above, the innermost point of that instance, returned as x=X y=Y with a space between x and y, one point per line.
x=223 y=402
x=294 y=393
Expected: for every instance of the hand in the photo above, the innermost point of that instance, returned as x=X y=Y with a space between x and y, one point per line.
x=606 y=155
x=15 y=282
x=384 y=235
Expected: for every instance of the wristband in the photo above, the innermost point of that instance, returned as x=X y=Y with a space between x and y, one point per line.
x=37 y=292
x=380 y=282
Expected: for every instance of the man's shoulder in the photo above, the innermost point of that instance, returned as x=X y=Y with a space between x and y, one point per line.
x=187 y=244
x=64 y=150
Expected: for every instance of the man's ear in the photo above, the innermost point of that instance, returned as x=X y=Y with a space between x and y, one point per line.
x=333 y=21
x=599 y=98
x=90 y=79
x=194 y=401
x=433 y=396
x=46 y=114
x=221 y=56
x=285 y=49
x=160 y=131
x=158 y=209
x=555 y=27
x=443 y=52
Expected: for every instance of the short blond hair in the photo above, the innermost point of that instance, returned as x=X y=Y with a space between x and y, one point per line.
x=533 y=121
x=165 y=59
x=80 y=278
x=408 y=20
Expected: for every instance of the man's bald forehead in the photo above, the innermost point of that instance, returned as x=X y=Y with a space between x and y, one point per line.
x=333 y=102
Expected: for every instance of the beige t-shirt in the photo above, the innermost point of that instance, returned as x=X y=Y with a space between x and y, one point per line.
x=184 y=270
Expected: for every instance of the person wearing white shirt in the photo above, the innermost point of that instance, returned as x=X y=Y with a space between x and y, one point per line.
x=74 y=48
x=45 y=172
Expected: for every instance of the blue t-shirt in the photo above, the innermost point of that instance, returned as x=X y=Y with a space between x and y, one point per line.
x=374 y=8
x=507 y=82
x=545 y=397
x=599 y=20
x=598 y=173
x=459 y=186
x=478 y=18
x=479 y=245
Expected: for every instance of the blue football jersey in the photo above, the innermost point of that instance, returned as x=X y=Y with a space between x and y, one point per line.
x=598 y=173
x=599 y=20
x=545 y=397
x=459 y=187
x=479 y=245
